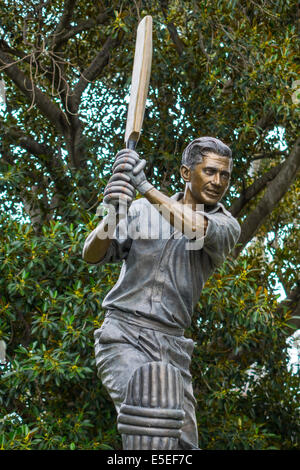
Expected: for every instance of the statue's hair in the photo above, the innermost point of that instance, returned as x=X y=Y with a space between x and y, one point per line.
x=198 y=148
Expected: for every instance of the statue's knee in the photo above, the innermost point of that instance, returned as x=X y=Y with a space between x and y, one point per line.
x=152 y=415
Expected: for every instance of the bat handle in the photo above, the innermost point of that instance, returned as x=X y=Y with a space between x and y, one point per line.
x=131 y=144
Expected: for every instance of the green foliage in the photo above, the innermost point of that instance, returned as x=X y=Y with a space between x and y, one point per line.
x=247 y=396
x=222 y=68
x=50 y=305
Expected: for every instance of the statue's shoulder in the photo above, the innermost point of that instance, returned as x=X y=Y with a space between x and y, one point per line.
x=140 y=203
x=232 y=220
x=222 y=208
x=138 y=207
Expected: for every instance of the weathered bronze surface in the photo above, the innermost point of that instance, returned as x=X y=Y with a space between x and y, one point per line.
x=169 y=247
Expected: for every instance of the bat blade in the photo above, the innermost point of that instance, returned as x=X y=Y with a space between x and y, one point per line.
x=139 y=82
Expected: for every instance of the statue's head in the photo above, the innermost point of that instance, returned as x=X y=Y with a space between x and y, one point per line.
x=206 y=168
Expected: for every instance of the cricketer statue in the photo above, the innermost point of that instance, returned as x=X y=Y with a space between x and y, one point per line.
x=169 y=247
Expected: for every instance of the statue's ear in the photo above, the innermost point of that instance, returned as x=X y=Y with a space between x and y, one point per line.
x=185 y=172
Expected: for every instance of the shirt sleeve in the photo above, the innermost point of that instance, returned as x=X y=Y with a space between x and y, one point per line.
x=120 y=245
x=222 y=233
x=116 y=252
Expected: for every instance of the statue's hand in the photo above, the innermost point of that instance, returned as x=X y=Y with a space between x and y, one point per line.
x=119 y=190
x=128 y=163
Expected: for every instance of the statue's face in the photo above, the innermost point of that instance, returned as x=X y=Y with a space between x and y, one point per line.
x=209 y=180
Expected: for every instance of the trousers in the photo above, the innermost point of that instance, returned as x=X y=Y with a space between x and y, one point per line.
x=122 y=346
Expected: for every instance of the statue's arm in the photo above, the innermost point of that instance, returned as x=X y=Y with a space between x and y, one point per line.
x=183 y=217
x=98 y=241
x=118 y=195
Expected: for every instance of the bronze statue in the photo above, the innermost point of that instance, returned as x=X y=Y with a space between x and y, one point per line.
x=142 y=355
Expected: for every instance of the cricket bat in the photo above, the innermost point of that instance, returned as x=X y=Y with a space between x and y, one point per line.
x=139 y=82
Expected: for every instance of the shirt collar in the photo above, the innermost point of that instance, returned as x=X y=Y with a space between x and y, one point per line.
x=211 y=210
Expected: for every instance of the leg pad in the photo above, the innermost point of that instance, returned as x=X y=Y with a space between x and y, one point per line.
x=151 y=416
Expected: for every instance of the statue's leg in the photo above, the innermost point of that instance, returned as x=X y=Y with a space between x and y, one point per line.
x=120 y=349
x=152 y=415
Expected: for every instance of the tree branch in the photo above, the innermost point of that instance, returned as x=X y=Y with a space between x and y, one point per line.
x=6 y=157
x=178 y=43
x=46 y=156
x=15 y=52
x=55 y=76
x=292 y=304
x=28 y=143
x=65 y=18
x=262 y=156
x=37 y=209
x=275 y=191
x=253 y=190
x=266 y=120
x=74 y=137
x=92 y=72
x=82 y=26
x=34 y=94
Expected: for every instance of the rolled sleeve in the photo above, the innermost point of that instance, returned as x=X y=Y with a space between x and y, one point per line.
x=117 y=251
